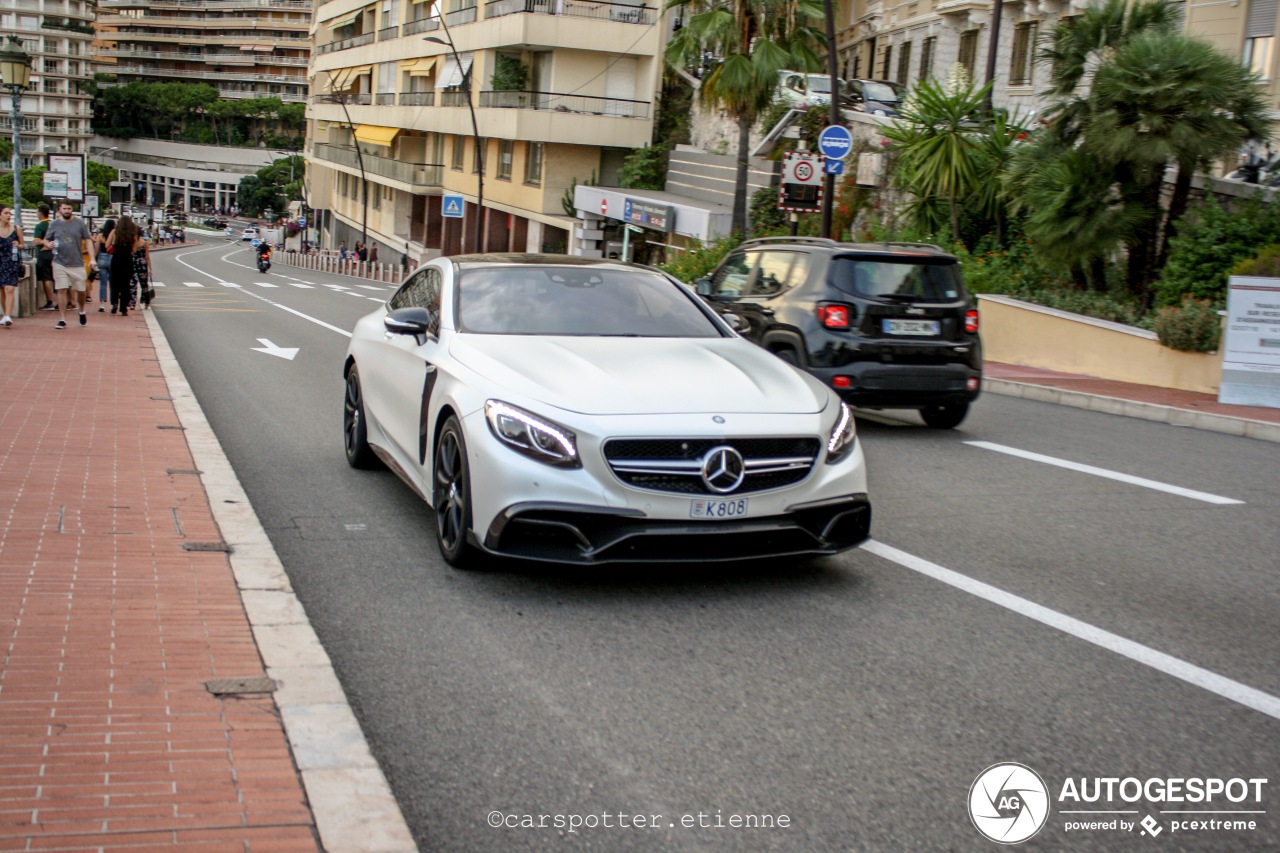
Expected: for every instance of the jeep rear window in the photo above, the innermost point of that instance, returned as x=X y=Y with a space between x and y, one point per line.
x=897 y=277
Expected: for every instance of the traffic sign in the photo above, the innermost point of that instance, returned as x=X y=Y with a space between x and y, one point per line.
x=833 y=166
x=801 y=187
x=836 y=142
x=451 y=206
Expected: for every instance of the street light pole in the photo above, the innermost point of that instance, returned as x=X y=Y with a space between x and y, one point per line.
x=829 y=190
x=15 y=71
x=479 y=241
x=340 y=99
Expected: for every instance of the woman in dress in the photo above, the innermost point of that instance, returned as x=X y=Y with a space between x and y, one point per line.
x=121 y=242
x=10 y=262
x=141 y=273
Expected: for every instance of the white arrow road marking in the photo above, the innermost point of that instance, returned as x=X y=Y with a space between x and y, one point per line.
x=265 y=284
x=1103 y=472
x=271 y=349
x=1225 y=687
x=193 y=284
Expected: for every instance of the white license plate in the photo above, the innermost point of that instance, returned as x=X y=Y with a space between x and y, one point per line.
x=912 y=327
x=736 y=508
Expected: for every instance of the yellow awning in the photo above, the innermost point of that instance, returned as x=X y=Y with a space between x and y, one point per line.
x=372 y=134
x=420 y=67
x=344 y=77
x=343 y=20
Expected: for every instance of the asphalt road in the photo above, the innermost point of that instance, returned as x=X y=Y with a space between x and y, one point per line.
x=1009 y=610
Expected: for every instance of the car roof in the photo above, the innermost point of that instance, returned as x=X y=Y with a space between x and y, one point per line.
x=882 y=248
x=497 y=259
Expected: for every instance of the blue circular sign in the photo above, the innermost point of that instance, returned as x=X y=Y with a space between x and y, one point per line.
x=835 y=141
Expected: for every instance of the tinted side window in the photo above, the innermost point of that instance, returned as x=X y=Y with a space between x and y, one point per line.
x=779 y=271
x=731 y=278
x=898 y=279
x=422 y=290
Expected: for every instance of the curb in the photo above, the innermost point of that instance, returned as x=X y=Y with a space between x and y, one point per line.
x=350 y=799
x=1172 y=415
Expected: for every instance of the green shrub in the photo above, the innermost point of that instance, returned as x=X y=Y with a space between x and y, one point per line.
x=1193 y=326
x=645 y=168
x=1266 y=264
x=698 y=261
x=1210 y=241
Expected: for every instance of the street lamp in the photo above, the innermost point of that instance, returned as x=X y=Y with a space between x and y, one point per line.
x=15 y=71
x=479 y=240
x=340 y=98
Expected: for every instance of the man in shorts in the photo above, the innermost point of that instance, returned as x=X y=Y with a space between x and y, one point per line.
x=44 y=259
x=71 y=242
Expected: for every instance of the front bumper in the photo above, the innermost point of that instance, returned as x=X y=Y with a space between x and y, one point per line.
x=592 y=535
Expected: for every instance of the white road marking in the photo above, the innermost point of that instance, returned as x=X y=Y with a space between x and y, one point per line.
x=336 y=287
x=299 y=284
x=265 y=284
x=377 y=299
x=193 y=284
x=287 y=353
x=1103 y=472
x=372 y=287
x=157 y=284
x=229 y=284
x=1227 y=688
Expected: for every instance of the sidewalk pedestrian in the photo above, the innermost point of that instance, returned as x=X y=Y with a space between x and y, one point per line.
x=343 y=251
x=373 y=253
x=104 y=263
x=121 y=242
x=140 y=288
x=72 y=242
x=44 y=258
x=10 y=262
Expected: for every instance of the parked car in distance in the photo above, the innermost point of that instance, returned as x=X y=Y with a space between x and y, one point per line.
x=250 y=233
x=885 y=325
x=215 y=222
x=587 y=411
x=877 y=97
x=797 y=87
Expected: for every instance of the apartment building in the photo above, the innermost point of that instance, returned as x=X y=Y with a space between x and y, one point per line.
x=246 y=48
x=57 y=108
x=561 y=91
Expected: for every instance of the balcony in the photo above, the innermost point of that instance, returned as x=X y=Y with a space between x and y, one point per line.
x=343 y=44
x=459 y=17
x=414 y=174
x=357 y=99
x=388 y=33
x=422 y=25
x=580 y=104
x=67 y=24
x=290 y=5
x=241 y=58
x=417 y=99
x=621 y=12
x=385 y=99
x=233 y=73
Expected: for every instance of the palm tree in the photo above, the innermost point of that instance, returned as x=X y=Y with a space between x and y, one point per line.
x=755 y=39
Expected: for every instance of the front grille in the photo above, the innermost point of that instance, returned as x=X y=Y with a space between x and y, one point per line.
x=675 y=464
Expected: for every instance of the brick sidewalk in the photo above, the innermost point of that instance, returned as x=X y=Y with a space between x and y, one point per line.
x=110 y=627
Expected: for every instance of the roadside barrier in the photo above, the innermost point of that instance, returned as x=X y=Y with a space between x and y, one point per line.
x=331 y=263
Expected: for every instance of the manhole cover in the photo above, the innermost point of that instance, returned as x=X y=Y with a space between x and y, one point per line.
x=207 y=546
x=227 y=686
x=183 y=471
x=169 y=426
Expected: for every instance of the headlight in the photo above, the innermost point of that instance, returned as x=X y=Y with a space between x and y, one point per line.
x=843 y=435
x=535 y=437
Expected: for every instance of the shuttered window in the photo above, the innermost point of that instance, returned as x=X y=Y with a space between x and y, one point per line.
x=926 y=57
x=968 y=50
x=1262 y=19
x=1024 y=45
x=904 y=63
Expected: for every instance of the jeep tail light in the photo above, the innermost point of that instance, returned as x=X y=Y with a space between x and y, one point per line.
x=841 y=382
x=835 y=316
x=971 y=321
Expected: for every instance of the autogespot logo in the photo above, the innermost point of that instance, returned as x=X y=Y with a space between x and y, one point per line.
x=1008 y=803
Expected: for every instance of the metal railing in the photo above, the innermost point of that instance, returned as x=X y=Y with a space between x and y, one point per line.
x=251 y=58
x=458 y=17
x=388 y=33
x=358 y=99
x=422 y=25
x=417 y=99
x=234 y=73
x=300 y=5
x=415 y=174
x=454 y=99
x=385 y=99
x=600 y=11
x=343 y=44
x=578 y=104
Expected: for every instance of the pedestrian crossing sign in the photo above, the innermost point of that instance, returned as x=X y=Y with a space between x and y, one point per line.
x=451 y=206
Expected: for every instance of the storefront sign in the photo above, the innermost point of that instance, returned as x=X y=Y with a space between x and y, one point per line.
x=647 y=214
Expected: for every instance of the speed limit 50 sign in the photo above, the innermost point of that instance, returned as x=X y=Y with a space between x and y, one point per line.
x=801 y=187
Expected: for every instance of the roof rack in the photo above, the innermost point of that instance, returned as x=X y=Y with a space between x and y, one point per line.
x=910 y=245
x=819 y=240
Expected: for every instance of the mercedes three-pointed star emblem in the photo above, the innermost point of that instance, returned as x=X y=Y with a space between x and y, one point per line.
x=723 y=469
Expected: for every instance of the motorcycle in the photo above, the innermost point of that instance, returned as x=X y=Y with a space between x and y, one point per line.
x=264 y=263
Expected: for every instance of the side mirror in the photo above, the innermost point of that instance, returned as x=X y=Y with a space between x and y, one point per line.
x=734 y=321
x=411 y=321
x=702 y=286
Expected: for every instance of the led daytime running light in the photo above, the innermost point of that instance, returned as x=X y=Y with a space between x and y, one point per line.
x=496 y=412
x=843 y=434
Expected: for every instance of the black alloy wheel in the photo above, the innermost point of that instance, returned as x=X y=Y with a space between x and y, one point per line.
x=451 y=496
x=944 y=417
x=355 y=433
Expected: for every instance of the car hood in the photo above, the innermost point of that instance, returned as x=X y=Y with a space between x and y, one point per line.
x=615 y=376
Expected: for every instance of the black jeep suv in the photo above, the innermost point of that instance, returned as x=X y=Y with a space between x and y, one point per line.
x=886 y=325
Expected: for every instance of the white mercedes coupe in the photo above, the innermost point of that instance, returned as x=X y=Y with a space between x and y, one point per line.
x=575 y=410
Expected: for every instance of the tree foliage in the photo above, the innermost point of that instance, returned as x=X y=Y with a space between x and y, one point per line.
x=195 y=112
x=272 y=187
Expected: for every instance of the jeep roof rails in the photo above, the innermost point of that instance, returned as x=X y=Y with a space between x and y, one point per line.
x=822 y=241
x=911 y=245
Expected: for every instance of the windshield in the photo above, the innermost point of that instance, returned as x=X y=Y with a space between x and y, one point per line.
x=925 y=279
x=820 y=83
x=882 y=92
x=577 y=300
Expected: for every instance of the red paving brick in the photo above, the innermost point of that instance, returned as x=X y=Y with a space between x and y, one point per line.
x=108 y=629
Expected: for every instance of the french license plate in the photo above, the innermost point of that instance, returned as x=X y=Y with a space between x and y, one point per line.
x=912 y=327
x=736 y=508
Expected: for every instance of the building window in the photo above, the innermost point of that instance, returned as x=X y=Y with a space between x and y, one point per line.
x=506 y=153
x=375 y=197
x=904 y=63
x=1024 y=45
x=459 y=154
x=888 y=60
x=533 y=164
x=968 y=50
x=926 y=57
x=1257 y=55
